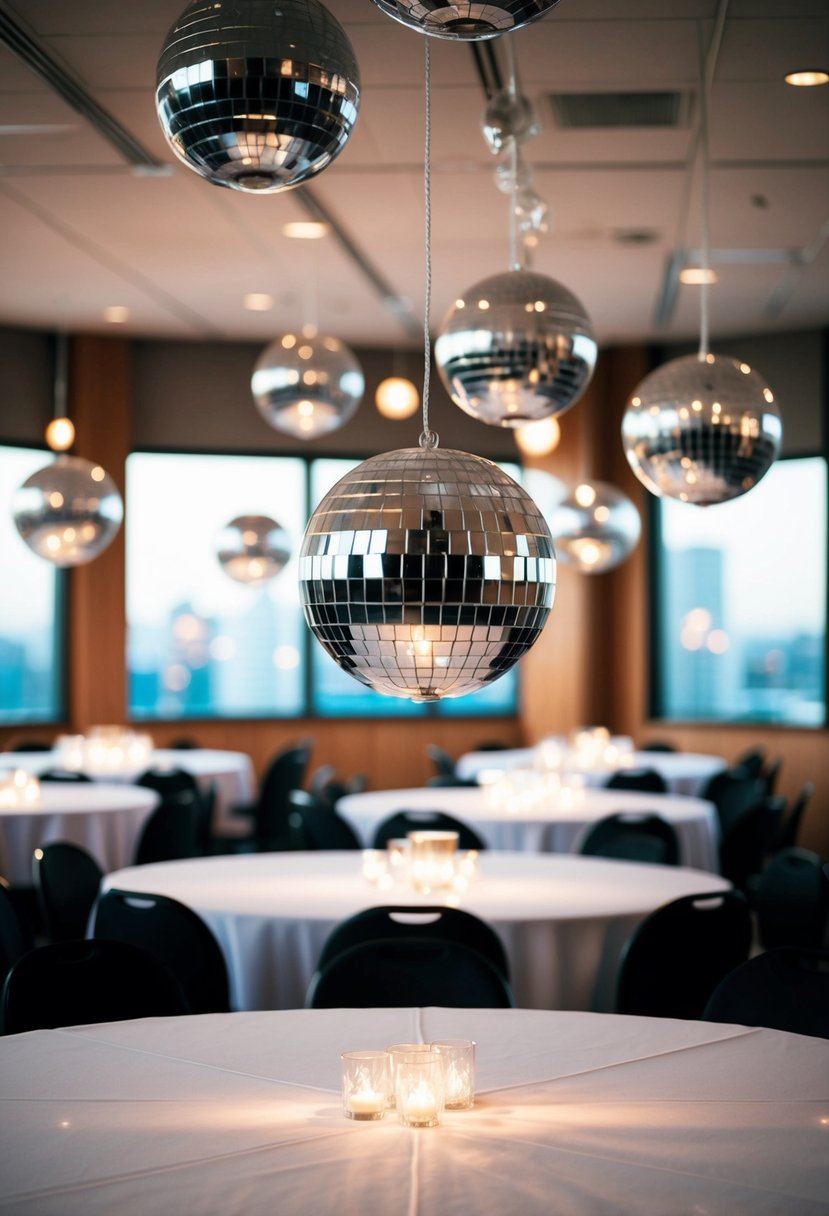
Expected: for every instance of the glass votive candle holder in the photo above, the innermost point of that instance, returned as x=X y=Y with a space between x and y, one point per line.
x=365 y=1078
x=419 y=1088
x=397 y=855
x=458 y=1057
x=375 y=865
x=395 y=1051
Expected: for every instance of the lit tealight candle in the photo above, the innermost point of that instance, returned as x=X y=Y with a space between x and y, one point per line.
x=365 y=1084
x=366 y=1104
x=420 y=1107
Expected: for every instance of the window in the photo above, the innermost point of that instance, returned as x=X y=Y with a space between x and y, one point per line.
x=740 y=620
x=31 y=615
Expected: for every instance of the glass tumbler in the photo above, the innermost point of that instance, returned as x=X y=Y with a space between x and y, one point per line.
x=365 y=1077
x=458 y=1057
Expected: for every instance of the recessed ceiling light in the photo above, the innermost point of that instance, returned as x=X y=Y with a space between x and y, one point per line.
x=807 y=78
x=305 y=230
x=116 y=314
x=697 y=275
x=258 y=301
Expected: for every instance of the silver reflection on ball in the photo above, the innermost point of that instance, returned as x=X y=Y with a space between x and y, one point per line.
x=516 y=348
x=595 y=527
x=426 y=573
x=69 y=511
x=255 y=94
x=307 y=387
x=466 y=19
x=253 y=549
x=702 y=430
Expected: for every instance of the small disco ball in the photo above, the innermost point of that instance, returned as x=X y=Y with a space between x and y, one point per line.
x=472 y=19
x=427 y=574
x=307 y=387
x=517 y=347
x=257 y=95
x=253 y=549
x=595 y=527
x=69 y=511
x=702 y=430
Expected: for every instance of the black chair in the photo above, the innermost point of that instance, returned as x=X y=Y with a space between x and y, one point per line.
x=397 y=825
x=753 y=761
x=409 y=971
x=657 y=745
x=441 y=759
x=272 y=809
x=172 y=933
x=16 y=937
x=675 y=958
x=171 y=832
x=784 y=989
x=791 y=900
x=183 y=744
x=319 y=825
x=644 y=780
x=30 y=745
x=79 y=982
x=63 y=774
x=749 y=840
x=168 y=781
x=790 y=827
x=770 y=775
x=402 y=922
x=629 y=836
x=66 y=879
x=449 y=781
x=732 y=791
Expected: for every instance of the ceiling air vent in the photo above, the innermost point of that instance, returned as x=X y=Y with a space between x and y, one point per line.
x=579 y=110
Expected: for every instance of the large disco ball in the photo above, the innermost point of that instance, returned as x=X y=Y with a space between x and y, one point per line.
x=69 y=511
x=467 y=19
x=517 y=347
x=305 y=386
x=427 y=574
x=255 y=94
x=702 y=430
x=253 y=549
x=595 y=527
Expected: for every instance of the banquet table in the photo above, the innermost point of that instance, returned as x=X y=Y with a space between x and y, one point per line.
x=683 y=772
x=554 y=825
x=575 y=1113
x=231 y=773
x=105 y=819
x=563 y=920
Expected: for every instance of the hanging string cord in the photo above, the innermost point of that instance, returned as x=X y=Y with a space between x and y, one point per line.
x=708 y=63
x=61 y=375
x=428 y=439
x=515 y=259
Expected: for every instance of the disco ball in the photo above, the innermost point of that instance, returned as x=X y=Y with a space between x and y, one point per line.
x=701 y=430
x=517 y=347
x=307 y=387
x=427 y=574
x=69 y=511
x=253 y=549
x=595 y=527
x=257 y=95
x=467 y=19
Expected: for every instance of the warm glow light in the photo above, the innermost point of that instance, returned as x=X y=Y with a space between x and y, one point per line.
x=397 y=398
x=304 y=230
x=807 y=78
x=116 y=314
x=286 y=658
x=258 y=301
x=697 y=275
x=538 y=438
x=717 y=641
x=585 y=495
x=60 y=434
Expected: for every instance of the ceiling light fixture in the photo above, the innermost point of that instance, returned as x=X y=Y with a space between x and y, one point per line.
x=697 y=276
x=305 y=230
x=538 y=438
x=807 y=78
x=116 y=314
x=595 y=528
x=258 y=301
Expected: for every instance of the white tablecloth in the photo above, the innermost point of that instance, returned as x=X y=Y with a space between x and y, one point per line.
x=563 y=920
x=105 y=819
x=576 y=1114
x=554 y=827
x=684 y=772
x=231 y=772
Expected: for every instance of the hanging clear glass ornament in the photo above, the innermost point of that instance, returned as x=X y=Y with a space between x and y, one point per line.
x=256 y=95
x=69 y=511
x=595 y=528
x=508 y=115
x=465 y=19
x=307 y=386
x=253 y=549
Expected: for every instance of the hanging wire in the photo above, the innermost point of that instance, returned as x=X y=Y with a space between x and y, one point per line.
x=708 y=61
x=428 y=438
x=515 y=258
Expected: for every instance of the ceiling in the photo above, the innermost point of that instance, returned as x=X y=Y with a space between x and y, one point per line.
x=81 y=230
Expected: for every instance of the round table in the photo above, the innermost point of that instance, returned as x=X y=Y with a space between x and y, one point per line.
x=563 y=920
x=554 y=826
x=105 y=819
x=683 y=772
x=231 y=772
x=578 y=1114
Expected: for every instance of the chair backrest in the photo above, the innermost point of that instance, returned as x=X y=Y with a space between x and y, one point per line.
x=656 y=745
x=16 y=937
x=441 y=759
x=63 y=774
x=791 y=900
x=784 y=989
x=409 y=971
x=171 y=832
x=30 y=745
x=168 y=781
x=173 y=933
x=791 y=824
x=75 y=983
x=629 y=836
x=646 y=780
x=752 y=760
x=397 y=922
x=771 y=773
x=319 y=824
x=66 y=878
x=678 y=954
x=448 y=781
x=286 y=772
x=401 y=822
x=732 y=791
x=183 y=743
x=749 y=839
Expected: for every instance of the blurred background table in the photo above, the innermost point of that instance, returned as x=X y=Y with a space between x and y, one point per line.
x=683 y=772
